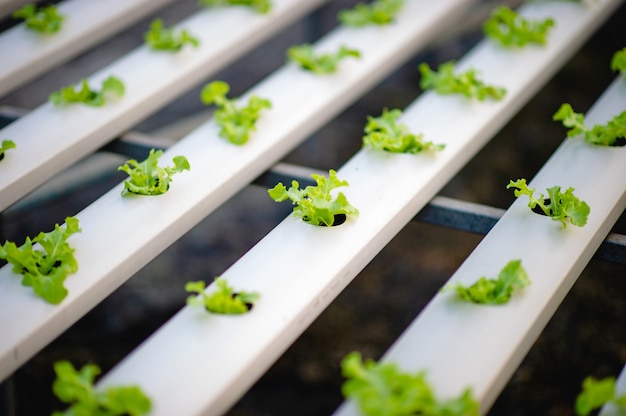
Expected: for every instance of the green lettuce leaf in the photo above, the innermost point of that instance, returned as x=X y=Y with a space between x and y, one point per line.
x=378 y=12
x=45 y=19
x=223 y=300
x=261 y=6
x=445 y=82
x=305 y=57
x=600 y=134
x=111 y=86
x=147 y=178
x=510 y=29
x=163 y=39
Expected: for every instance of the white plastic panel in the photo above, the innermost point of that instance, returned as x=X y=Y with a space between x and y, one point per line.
x=463 y=345
x=26 y=54
x=49 y=138
x=299 y=268
x=120 y=235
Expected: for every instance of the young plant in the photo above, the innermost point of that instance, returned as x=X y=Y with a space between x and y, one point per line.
x=76 y=389
x=223 y=300
x=147 y=178
x=378 y=12
x=261 y=6
x=45 y=268
x=316 y=204
x=381 y=389
x=601 y=135
x=160 y=38
x=69 y=95
x=304 y=55
x=444 y=82
x=6 y=145
x=512 y=30
x=559 y=206
x=45 y=19
x=618 y=62
x=597 y=393
x=236 y=123
x=385 y=133
x=493 y=291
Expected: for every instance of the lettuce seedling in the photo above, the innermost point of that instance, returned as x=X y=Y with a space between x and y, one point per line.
x=618 y=62
x=261 y=6
x=223 y=300
x=316 y=204
x=385 y=133
x=601 y=135
x=160 y=38
x=6 y=145
x=45 y=267
x=87 y=96
x=236 y=123
x=597 y=393
x=510 y=29
x=444 y=82
x=381 y=389
x=147 y=178
x=45 y=19
x=305 y=57
x=493 y=291
x=76 y=388
x=378 y=12
x=559 y=206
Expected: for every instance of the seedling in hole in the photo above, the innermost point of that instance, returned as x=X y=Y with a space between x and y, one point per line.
x=382 y=389
x=445 y=82
x=316 y=204
x=223 y=300
x=163 y=39
x=385 y=133
x=618 y=62
x=44 y=19
x=597 y=393
x=69 y=95
x=236 y=123
x=327 y=63
x=147 y=178
x=561 y=206
x=76 y=389
x=510 y=29
x=261 y=6
x=6 y=145
x=493 y=291
x=378 y=12
x=45 y=267
x=601 y=135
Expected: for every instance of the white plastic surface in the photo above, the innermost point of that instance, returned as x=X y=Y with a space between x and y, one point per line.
x=299 y=268
x=463 y=345
x=51 y=138
x=26 y=54
x=120 y=235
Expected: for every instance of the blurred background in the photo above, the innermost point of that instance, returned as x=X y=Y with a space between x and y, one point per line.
x=585 y=337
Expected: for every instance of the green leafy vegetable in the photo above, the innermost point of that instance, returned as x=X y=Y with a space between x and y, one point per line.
x=602 y=135
x=261 y=6
x=493 y=291
x=597 y=393
x=378 y=12
x=512 y=30
x=223 y=300
x=446 y=82
x=161 y=39
x=236 y=123
x=45 y=268
x=618 y=62
x=381 y=389
x=304 y=55
x=6 y=145
x=87 y=96
x=384 y=133
x=147 y=178
x=560 y=206
x=44 y=19
x=315 y=204
x=76 y=388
